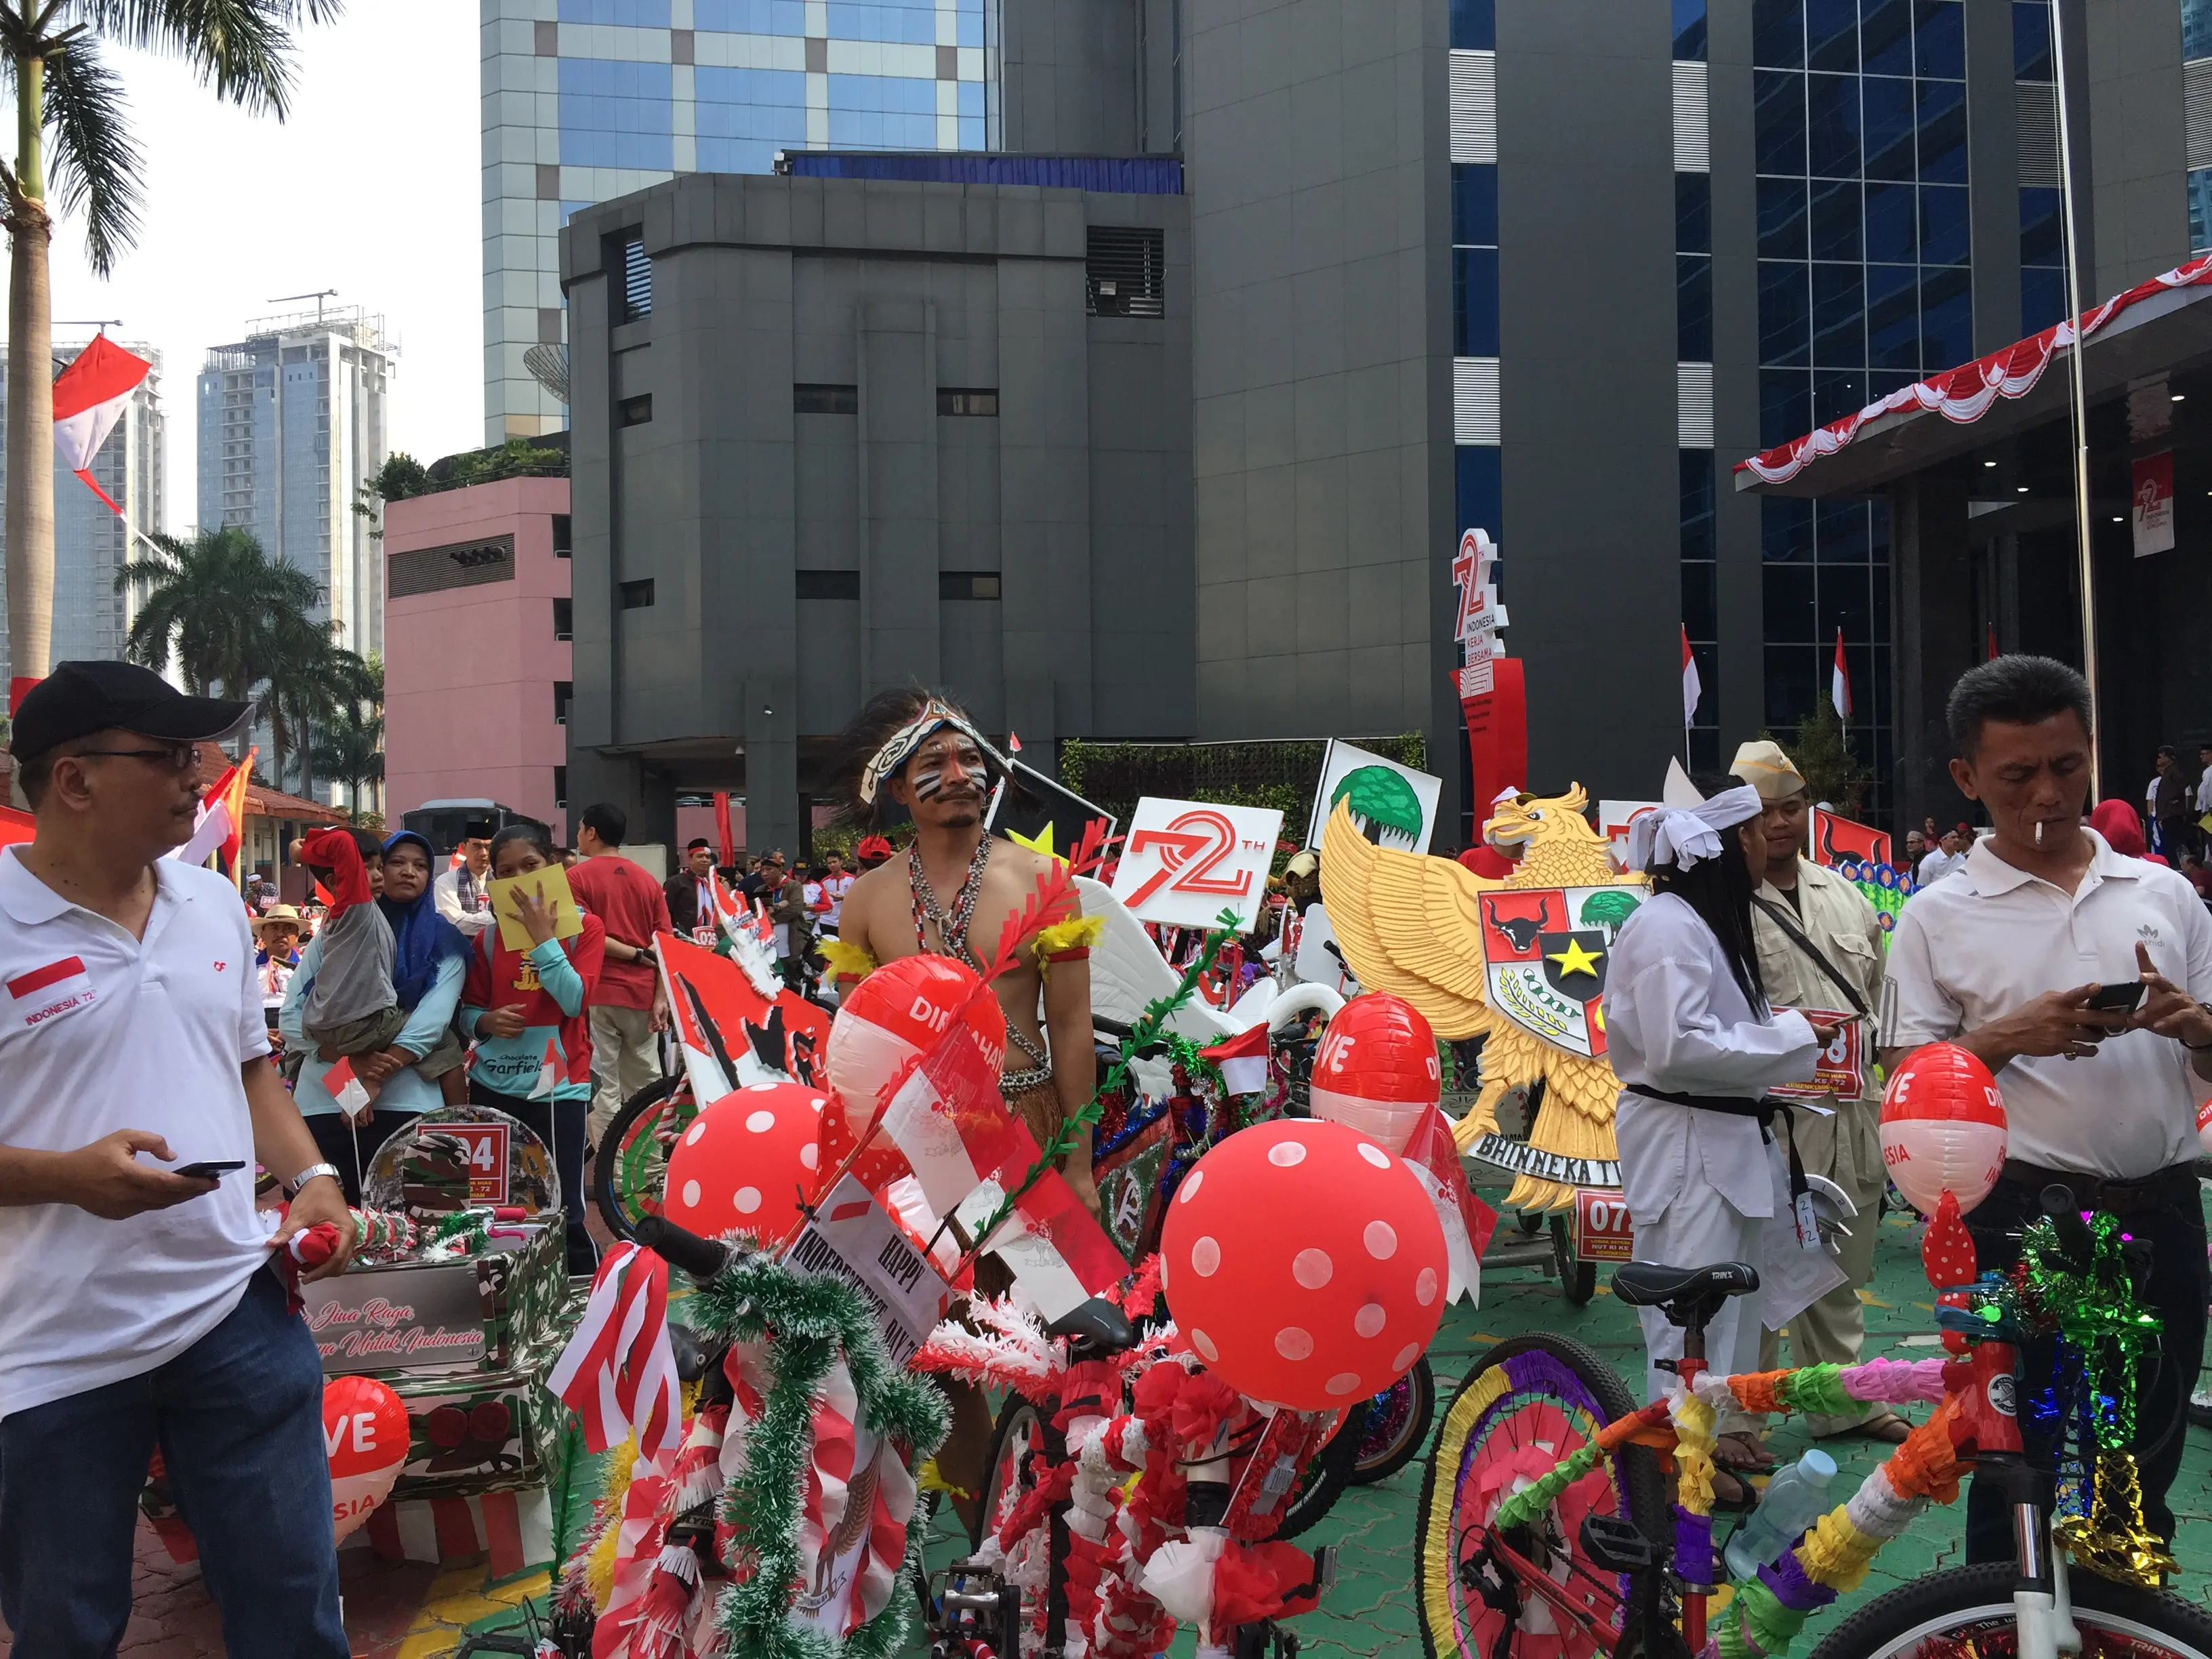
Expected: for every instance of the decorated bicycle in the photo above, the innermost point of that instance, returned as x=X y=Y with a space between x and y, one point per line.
x=1546 y=1532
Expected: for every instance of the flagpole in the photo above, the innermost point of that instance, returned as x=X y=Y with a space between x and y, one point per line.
x=2081 y=404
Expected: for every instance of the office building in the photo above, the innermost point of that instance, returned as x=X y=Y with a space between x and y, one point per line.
x=588 y=100
x=1549 y=267
x=91 y=543
x=291 y=425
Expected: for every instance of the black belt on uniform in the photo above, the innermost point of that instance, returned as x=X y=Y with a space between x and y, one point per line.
x=1740 y=1106
x=2176 y=1183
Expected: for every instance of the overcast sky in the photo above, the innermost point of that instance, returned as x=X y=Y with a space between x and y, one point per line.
x=371 y=187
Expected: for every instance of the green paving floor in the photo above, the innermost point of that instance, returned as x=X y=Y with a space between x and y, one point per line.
x=1370 y=1611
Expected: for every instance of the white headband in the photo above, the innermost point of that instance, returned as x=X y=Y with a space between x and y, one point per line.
x=1680 y=835
x=934 y=717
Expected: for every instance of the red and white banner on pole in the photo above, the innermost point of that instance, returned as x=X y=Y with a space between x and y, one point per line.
x=89 y=397
x=1839 y=682
x=618 y=1372
x=2153 y=503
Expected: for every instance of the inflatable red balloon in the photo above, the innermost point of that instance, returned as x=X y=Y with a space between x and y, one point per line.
x=1303 y=1264
x=1377 y=1069
x=1942 y=1127
x=897 y=1012
x=748 y=1161
x=365 y=1436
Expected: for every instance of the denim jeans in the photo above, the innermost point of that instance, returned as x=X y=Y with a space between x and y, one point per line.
x=2175 y=1292
x=239 y=1419
x=567 y=1148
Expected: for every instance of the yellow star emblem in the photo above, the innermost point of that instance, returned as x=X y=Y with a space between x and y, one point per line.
x=1575 y=959
x=1040 y=842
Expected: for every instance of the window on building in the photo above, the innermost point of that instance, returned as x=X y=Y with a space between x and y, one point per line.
x=825 y=400
x=563 y=538
x=636 y=411
x=2043 y=254
x=1701 y=604
x=637 y=595
x=1125 y=269
x=560 y=788
x=1693 y=267
x=563 y=691
x=967 y=400
x=564 y=619
x=2196 y=29
x=1475 y=259
x=2200 y=208
x=1475 y=25
x=829 y=584
x=967 y=585
x=2031 y=37
x=1690 y=30
x=633 y=298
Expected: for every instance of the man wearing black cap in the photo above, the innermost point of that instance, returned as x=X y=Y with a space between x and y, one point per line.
x=690 y=894
x=136 y=1299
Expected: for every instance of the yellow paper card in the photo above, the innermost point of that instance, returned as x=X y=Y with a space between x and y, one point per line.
x=551 y=884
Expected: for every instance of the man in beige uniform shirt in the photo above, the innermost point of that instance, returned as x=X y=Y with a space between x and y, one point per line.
x=1820 y=946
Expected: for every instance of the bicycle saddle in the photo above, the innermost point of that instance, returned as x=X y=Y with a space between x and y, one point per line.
x=1097 y=1325
x=1654 y=1284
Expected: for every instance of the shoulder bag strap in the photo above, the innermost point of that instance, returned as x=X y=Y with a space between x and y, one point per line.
x=1782 y=918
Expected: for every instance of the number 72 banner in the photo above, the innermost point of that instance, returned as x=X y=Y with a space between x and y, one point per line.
x=1186 y=861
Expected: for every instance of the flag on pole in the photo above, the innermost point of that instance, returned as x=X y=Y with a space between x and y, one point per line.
x=1691 y=691
x=220 y=824
x=89 y=397
x=725 y=847
x=1839 y=682
x=1990 y=655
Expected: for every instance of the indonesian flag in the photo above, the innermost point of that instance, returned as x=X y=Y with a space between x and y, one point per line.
x=967 y=1151
x=352 y=1094
x=1839 y=682
x=549 y=1071
x=1467 y=1220
x=1691 y=691
x=1242 y=1060
x=220 y=824
x=725 y=849
x=618 y=1372
x=89 y=397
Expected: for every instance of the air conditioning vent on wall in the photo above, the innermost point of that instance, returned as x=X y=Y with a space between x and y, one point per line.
x=1126 y=269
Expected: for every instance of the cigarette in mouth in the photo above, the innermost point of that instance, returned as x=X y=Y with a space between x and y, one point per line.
x=2038 y=832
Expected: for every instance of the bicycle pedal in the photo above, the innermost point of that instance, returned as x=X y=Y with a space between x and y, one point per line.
x=1616 y=1545
x=1324 y=1578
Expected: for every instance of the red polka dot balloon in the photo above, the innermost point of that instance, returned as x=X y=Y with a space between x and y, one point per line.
x=897 y=1012
x=1942 y=1127
x=747 y=1161
x=1303 y=1264
x=1377 y=1070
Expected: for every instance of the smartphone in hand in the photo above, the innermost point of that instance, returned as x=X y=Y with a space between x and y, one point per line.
x=210 y=1169
x=2124 y=997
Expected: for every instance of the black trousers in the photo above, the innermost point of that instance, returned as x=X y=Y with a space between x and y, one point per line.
x=568 y=1148
x=2177 y=1291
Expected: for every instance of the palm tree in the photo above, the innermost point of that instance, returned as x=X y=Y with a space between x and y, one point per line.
x=65 y=95
x=350 y=748
x=216 y=605
x=301 y=671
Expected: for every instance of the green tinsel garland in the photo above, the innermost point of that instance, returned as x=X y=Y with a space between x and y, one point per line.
x=808 y=1319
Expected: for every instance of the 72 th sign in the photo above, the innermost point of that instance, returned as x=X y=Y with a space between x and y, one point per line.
x=1186 y=861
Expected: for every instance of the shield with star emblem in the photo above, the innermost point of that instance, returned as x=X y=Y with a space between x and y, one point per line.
x=1544 y=950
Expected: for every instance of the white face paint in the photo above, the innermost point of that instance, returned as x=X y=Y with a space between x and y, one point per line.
x=949 y=764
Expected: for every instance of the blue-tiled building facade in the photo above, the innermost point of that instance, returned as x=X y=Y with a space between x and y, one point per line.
x=587 y=100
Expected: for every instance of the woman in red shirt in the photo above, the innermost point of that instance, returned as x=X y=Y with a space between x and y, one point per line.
x=532 y=1058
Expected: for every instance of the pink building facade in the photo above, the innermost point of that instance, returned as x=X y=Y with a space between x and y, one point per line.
x=475 y=648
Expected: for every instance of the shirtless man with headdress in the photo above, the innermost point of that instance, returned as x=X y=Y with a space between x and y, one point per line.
x=952 y=892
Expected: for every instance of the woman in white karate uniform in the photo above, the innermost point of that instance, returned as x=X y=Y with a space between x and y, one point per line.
x=1686 y=1016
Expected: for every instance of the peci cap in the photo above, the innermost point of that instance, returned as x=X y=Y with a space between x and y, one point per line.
x=80 y=698
x=1762 y=764
x=697 y=842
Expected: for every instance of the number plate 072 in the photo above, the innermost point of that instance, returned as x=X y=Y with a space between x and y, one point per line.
x=1602 y=1229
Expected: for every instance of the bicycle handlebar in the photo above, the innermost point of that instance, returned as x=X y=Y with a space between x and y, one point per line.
x=702 y=1258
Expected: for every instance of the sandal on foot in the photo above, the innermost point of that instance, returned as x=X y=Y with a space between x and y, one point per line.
x=1885 y=1426
x=1741 y=1454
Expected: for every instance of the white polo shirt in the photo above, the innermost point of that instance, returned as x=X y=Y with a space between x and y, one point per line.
x=1974 y=949
x=99 y=1031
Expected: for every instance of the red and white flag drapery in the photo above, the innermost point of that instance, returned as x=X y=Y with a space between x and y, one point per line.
x=1839 y=682
x=618 y=1372
x=89 y=397
x=1691 y=691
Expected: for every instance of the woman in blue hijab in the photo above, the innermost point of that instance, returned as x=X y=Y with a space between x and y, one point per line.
x=429 y=961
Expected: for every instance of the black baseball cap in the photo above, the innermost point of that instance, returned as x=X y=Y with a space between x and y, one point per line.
x=80 y=698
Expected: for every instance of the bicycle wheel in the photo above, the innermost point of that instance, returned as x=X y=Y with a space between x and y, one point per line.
x=1530 y=1401
x=1398 y=1421
x=1969 y=1609
x=1009 y=1477
x=1577 y=1278
x=631 y=1165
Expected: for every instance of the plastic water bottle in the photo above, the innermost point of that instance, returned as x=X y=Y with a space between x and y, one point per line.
x=1795 y=1498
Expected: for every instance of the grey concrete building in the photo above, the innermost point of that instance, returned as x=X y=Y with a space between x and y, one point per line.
x=1548 y=267
x=832 y=434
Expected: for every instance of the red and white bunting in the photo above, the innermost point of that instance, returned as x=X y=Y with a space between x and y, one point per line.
x=618 y=1372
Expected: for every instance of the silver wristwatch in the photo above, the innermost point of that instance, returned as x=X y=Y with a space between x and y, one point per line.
x=292 y=1186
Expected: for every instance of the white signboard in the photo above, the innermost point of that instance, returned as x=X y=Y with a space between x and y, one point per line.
x=1392 y=804
x=1186 y=861
x=851 y=1239
x=1614 y=817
